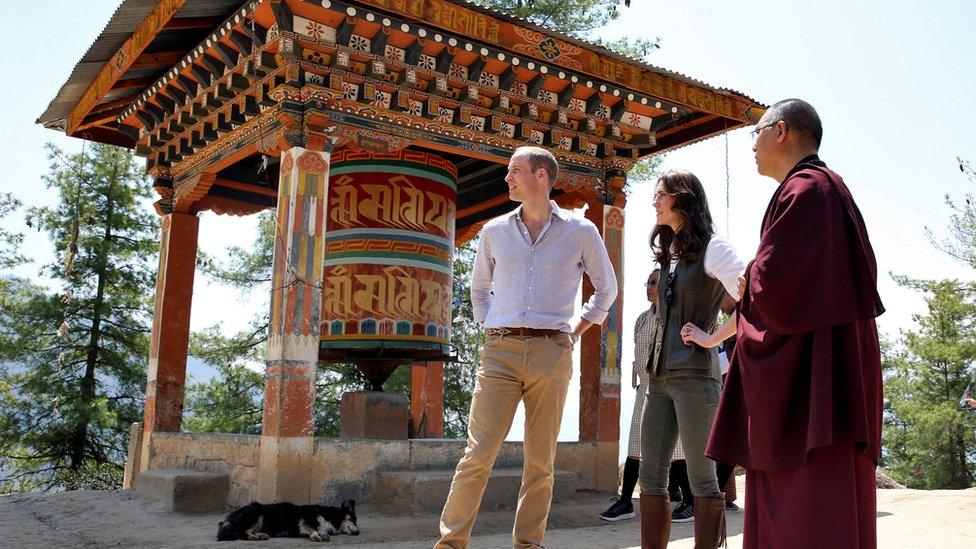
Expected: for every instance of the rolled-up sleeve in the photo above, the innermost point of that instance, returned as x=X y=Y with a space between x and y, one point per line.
x=722 y=264
x=481 y=276
x=596 y=264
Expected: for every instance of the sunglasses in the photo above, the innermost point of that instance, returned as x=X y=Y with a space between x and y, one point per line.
x=669 y=291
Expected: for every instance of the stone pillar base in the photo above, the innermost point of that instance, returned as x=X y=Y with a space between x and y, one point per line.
x=374 y=414
x=133 y=462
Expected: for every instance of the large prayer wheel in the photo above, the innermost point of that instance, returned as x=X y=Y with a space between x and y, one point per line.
x=389 y=254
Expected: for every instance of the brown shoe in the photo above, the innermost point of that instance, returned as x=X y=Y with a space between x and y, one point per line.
x=709 y=522
x=655 y=521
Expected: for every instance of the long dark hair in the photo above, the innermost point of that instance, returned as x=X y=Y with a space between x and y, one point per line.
x=691 y=204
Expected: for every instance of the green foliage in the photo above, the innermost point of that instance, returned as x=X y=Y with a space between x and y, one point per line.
x=245 y=269
x=637 y=48
x=576 y=17
x=230 y=403
x=469 y=339
x=72 y=363
x=9 y=241
x=962 y=223
x=928 y=441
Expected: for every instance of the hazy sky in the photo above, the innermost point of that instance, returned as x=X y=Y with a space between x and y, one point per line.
x=893 y=82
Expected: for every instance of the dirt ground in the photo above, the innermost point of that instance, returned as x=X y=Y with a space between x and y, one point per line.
x=906 y=518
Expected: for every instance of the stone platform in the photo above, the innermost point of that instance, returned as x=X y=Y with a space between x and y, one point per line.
x=185 y=490
x=349 y=469
x=419 y=492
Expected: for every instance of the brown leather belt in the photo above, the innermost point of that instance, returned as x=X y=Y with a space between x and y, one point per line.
x=523 y=332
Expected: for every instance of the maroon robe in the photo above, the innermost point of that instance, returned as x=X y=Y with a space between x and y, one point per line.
x=806 y=370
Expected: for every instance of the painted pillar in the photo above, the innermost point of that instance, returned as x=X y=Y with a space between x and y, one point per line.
x=600 y=355
x=166 y=376
x=287 y=436
x=427 y=400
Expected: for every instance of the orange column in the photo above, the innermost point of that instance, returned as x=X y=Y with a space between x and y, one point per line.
x=600 y=356
x=427 y=400
x=171 y=323
x=287 y=436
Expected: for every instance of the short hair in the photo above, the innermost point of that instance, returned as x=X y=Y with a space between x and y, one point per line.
x=799 y=116
x=540 y=158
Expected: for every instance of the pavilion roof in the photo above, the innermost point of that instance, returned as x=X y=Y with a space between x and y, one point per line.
x=135 y=27
x=194 y=20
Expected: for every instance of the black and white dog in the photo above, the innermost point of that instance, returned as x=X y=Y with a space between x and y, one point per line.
x=256 y=521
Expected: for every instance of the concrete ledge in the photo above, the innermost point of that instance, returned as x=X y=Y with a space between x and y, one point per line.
x=418 y=492
x=346 y=469
x=185 y=490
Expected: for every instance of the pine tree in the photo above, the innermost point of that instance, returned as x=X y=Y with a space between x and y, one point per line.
x=74 y=358
x=928 y=441
x=9 y=241
x=576 y=17
x=961 y=243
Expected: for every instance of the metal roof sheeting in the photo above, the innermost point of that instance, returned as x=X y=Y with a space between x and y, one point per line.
x=120 y=27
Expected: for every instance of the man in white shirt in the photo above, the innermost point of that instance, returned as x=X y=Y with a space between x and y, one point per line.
x=527 y=271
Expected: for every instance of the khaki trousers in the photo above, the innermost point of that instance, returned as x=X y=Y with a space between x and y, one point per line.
x=535 y=370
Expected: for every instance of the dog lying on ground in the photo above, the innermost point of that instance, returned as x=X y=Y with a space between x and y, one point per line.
x=256 y=521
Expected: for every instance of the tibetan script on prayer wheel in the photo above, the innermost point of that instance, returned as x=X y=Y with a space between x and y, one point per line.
x=389 y=253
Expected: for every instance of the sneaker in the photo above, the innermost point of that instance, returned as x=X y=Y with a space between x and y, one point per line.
x=619 y=510
x=683 y=513
x=731 y=506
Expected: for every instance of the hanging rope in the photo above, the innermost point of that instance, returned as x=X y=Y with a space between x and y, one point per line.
x=75 y=234
x=728 y=209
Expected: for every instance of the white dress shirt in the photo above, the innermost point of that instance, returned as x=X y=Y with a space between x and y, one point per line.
x=517 y=283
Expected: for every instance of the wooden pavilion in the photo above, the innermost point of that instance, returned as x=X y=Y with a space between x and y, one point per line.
x=243 y=106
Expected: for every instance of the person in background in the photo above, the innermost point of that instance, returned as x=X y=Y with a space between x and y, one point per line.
x=622 y=507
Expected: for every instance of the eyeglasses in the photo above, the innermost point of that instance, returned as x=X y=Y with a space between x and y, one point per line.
x=755 y=133
x=669 y=290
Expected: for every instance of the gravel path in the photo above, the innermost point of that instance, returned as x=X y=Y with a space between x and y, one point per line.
x=906 y=518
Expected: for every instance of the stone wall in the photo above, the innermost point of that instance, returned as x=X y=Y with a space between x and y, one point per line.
x=343 y=469
x=236 y=455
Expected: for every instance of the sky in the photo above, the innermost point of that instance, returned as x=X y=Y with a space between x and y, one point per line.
x=892 y=80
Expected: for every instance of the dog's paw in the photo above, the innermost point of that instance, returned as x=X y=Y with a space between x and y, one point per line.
x=258 y=536
x=331 y=529
x=318 y=536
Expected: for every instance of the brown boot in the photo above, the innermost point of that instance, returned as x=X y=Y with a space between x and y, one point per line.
x=655 y=521
x=709 y=522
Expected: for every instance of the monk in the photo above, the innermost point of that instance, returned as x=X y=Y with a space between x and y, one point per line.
x=801 y=408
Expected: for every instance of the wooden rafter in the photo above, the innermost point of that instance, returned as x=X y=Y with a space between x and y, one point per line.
x=123 y=59
x=179 y=23
x=129 y=83
x=157 y=59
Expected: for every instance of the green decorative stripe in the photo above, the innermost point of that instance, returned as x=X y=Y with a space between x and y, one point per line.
x=390 y=234
x=386 y=343
x=389 y=259
x=400 y=168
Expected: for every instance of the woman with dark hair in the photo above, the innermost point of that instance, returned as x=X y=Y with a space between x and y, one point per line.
x=697 y=268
